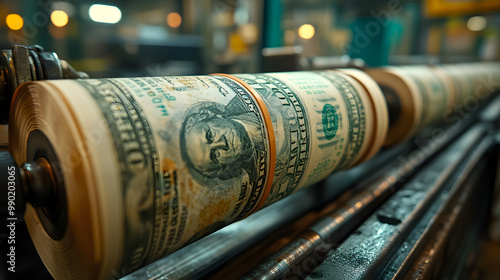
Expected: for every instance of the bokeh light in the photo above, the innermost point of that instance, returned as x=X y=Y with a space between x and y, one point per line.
x=14 y=21
x=476 y=23
x=59 y=18
x=174 y=20
x=306 y=31
x=105 y=13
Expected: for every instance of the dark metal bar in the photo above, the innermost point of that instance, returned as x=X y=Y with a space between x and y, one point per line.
x=491 y=113
x=366 y=254
x=438 y=251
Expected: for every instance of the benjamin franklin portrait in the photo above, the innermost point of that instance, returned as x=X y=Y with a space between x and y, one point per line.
x=219 y=143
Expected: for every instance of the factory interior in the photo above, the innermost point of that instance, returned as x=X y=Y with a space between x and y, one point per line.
x=250 y=139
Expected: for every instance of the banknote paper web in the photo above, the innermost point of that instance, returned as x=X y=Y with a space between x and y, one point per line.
x=152 y=164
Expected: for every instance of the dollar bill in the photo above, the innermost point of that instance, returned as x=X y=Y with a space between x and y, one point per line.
x=193 y=157
x=432 y=91
x=319 y=125
x=195 y=152
x=462 y=84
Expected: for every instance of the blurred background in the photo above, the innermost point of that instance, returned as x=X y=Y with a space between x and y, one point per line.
x=111 y=38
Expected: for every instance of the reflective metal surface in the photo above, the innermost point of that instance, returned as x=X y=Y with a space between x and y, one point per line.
x=371 y=252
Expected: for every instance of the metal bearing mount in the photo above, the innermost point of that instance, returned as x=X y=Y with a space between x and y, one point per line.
x=38 y=181
x=22 y=64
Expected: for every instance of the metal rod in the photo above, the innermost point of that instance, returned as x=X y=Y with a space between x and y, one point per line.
x=367 y=253
x=464 y=211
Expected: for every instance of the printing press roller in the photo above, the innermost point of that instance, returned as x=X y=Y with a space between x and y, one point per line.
x=42 y=182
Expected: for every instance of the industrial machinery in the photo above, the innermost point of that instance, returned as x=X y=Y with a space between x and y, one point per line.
x=418 y=209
